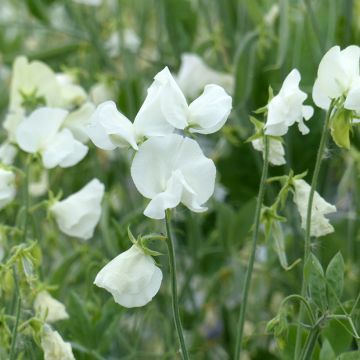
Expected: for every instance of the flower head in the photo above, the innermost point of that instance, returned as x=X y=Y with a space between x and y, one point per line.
x=276 y=150
x=54 y=347
x=320 y=225
x=338 y=74
x=132 y=278
x=173 y=169
x=40 y=133
x=49 y=308
x=78 y=214
x=286 y=108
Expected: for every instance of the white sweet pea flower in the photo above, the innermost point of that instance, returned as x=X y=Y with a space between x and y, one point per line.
x=7 y=153
x=276 y=150
x=54 y=347
x=40 y=132
x=78 y=120
x=12 y=121
x=7 y=187
x=132 y=278
x=49 y=308
x=194 y=74
x=40 y=185
x=338 y=74
x=286 y=108
x=173 y=169
x=29 y=77
x=78 y=214
x=100 y=92
x=320 y=225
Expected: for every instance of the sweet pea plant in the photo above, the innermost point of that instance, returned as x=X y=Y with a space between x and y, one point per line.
x=94 y=198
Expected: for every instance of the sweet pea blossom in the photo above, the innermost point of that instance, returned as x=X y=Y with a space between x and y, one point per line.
x=7 y=153
x=320 y=225
x=40 y=133
x=132 y=278
x=194 y=74
x=78 y=214
x=164 y=109
x=54 y=347
x=338 y=75
x=286 y=108
x=7 y=187
x=49 y=308
x=276 y=150
x=173 y=169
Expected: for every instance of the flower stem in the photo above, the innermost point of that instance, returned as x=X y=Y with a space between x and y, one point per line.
x=174 y=295
x=307 y=249
x=240 y=326
x=26 y=196
x=17 y=318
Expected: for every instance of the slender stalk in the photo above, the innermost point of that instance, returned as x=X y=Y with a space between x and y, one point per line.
x=307 y=249
x=26 y=197
x=240 y=326
x=310 y=343
x=17 y=318
x=174 y=295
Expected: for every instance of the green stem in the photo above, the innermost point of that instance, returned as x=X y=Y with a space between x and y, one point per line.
x=307 y=249
x=174 y=295
x=310 y=343
x=26 y=197
x=240 y=326
x=17 y=318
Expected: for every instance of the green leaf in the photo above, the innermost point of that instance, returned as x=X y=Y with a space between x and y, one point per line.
x=327 y=352
x=339 y=339
x=335 y=280
x=340 y=129
x=315 y=277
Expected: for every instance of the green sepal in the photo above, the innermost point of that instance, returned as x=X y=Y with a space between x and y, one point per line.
x=341 y=128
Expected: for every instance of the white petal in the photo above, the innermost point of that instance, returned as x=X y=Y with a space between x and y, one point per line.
x=210 y=110
x=109 y=128
x=64 y=151
x=78 y=214
x=54 y=347
x=319 y=96
x=352 y=101
x=49 y=308
x=35 y=132
x=7 y=187
x=132 y=278
x=78 y=120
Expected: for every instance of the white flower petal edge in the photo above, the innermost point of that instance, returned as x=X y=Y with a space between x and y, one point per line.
x=54 y=347
x=49 y=308
x=7 y=153
x=7 y=187
x=132 y=278
x=286 y=108
x=276 y=150
x=37 y=131
x=109 y=129
x=173 y=169
x=320 y=225
x=78 y=214
x=337 y=73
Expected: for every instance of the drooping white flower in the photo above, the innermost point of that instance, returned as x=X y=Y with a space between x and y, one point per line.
x=54 y=347
x=132 y=278
x=7 y=153
x=7 y=187
x=338 y=74
x=286 y=108
x=276 y=150
x=78 y=214
x=100 y=92
x=40 y=185
x=40 y=132
x=194 y=74
x=320 y=225
x=49 y=308
x=78 y=120
x=173 y=169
